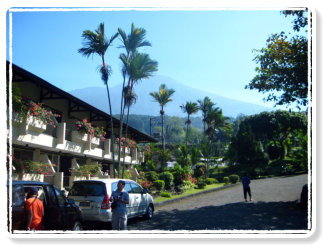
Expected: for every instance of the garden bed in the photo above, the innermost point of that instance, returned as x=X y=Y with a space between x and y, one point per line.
x=189 y=192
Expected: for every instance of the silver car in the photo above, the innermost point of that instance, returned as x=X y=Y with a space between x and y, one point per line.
x=92 y=196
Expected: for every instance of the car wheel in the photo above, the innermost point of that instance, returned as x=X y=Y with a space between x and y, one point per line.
x=77 y=226
x=150 y=212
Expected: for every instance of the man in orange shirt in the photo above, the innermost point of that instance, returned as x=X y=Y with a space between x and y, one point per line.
x=34 y=209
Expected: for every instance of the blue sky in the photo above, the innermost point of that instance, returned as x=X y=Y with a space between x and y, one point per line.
x=210 y=50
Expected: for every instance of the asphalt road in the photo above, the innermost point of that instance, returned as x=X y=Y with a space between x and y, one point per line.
x=273 y=208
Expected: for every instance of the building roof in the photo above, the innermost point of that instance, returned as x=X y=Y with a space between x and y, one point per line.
x=49 y=91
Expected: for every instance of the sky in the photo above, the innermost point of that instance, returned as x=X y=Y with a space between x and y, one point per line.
x=50 y=52
x=211 y=50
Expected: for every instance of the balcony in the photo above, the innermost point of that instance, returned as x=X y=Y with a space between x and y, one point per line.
x=67 y=140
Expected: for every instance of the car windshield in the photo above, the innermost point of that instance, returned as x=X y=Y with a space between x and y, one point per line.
x=88 y=189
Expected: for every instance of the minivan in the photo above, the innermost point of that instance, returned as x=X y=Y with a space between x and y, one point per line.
x=92 y=196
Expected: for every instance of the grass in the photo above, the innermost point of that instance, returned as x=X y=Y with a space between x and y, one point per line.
x=188 y=192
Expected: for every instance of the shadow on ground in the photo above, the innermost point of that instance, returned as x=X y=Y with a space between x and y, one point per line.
x=236 y=216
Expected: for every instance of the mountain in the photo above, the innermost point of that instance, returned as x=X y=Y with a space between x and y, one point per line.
x=97 y=96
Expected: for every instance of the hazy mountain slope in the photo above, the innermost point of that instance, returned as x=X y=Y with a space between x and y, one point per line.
x=145 y=105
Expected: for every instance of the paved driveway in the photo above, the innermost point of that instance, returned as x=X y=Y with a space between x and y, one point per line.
x=274 y=208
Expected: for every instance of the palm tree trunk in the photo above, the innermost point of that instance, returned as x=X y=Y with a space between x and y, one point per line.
x=126 y=136
x=187 y=131
x=111 y=115
x=121 y=124
x=163 y=144
x=111 y=125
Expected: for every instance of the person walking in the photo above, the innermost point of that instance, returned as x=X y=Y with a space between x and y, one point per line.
x=246 y=188
x=34 y=210
x=119 y=212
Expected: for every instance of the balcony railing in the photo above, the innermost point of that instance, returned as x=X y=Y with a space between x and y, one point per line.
x=68 y=139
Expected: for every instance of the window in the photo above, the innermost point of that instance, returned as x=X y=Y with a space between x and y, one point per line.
x=136 y=189
x=60 y=197
x=128 y=187
x=51 y=196
x=18 y=195
x=88 y=188
x=114 y=186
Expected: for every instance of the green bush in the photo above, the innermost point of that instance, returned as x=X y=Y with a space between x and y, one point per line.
x=234 y=178
x=226 y=179
x=165 y=194
x=179 y=174
x=151 y=176
x=188 y=185
x=209 y=181
x=199 y=171
x=168 y=178
x=201 y=184
x=159 y=184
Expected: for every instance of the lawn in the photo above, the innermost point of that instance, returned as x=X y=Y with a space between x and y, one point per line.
x=189 y=192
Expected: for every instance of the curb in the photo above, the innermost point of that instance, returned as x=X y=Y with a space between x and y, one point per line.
x=163 y=203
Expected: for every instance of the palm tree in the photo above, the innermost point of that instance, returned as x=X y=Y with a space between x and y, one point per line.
x=97 y=43
x=189 y=108
x=130 y=43
x=138 y=67
x=205 y=105
x=214 y=121
x=163 y=96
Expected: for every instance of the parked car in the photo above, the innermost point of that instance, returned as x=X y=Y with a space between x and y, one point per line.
x=60 y=213
x=92 y=196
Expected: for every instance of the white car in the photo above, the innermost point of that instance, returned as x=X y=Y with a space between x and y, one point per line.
x=92 y=196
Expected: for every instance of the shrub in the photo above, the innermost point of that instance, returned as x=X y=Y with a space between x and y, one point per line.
x=180 y=174
x=32 y=167
x=165 y=194
x=84 y=170
x=150 y=166
x=201 y=184
x=146 y=184
x=226 y=179
x=151 y=176
x=159 y=184
x=188 y=185
x=234 y=178
x=199 y=171
x=167 y=177
x=209 y=181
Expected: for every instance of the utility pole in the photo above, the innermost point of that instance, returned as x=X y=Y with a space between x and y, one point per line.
x=150 y=124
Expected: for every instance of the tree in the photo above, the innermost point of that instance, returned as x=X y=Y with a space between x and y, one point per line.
x=245 y=154
x=163 y=96
x=130 y=43
x=283 y=67
x=184 y=157
x=189 y=108
x=268 y=136
x=205 y=105
x=138 y=67
x=175 y=133
x=214 y=121
x=97 y=43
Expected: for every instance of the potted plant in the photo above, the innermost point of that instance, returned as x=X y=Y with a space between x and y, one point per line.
x=83 y=130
